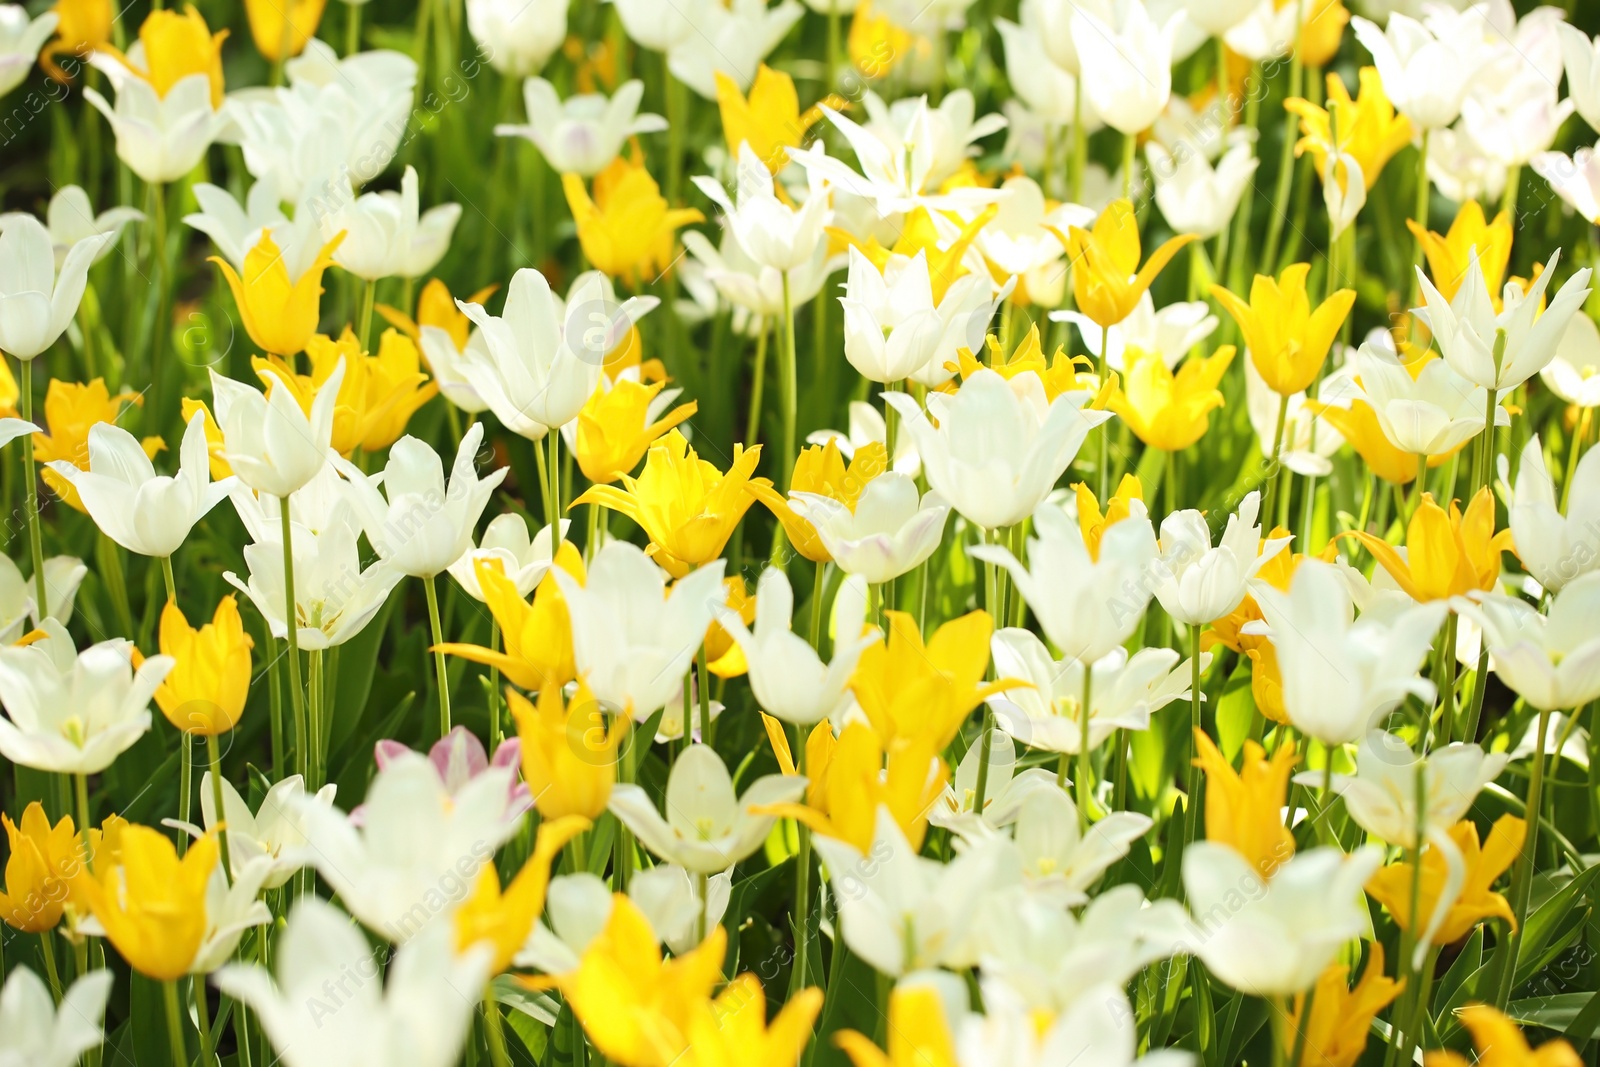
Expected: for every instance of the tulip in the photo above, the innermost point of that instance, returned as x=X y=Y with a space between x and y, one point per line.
x=771 y=232
x=503 y=920
x=820 y=471
x=627 y=229
x=1244 y=807
x=150 y=903
x=458 y=758
x=1288 y=341
x=918 y=1032
x=1368 y=129
x=866 y=427
x=654 y=27
x=43 y=861
x=1501 y=350
x=144 y=513
x=1447 y=554
x=1427 y=67
x=1518 y=119
x=1167 y=411
x=1195 y=196
x=1450 y=255
x=331 y=997
x=1197 y=583
x=894 y=328
x=790 y=680
x=533 y=370
x=40 y=299
x=1551 y=661
x=271 y=444
x=538 y=636
x=444 y=334
x=83 y=27
x=41 y=1035
x=1217 y=18
x=1126 y=63
x=580 y=906
x=1555 y=548
x=279 y=310
x=524 y=560
x=1059 y=862
x=721 y=830
x=70 y=218
x=756 y=292
x=1038 y=81
x=1382 y=796
x=71 y=410
x=21 y=38
x=517 y=37
x=1571 y=374
x=280 y=31
x=1306 y=912
x=888 y=532
x=384 y=234
x=74 y=712
x=1424 y=408
x=900 y=912
x=731 y=39
x=1456 y=900
x=585 y=133
x=1093 y=1029
x=734 y=1030
x=619 y=424
x=628 y=634
x=769 y=119
x=564 y=781
x=1493 y=1033
x=999 y=446
x=1107 y=281
x=273 y=835
x=1336 y=1019
x=1172 y=331
x=204 y=692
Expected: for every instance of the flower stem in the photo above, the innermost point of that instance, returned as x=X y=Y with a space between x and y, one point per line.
x=1085 y=762
x=202 y=1012
x=369 y=293
x=47 y=949
x=169 y=993
x=788 y=385
x=291 y=627
x=1420 y=211
x=1267 y=512
x=166 y=574
x=802 y=884
x=497 y=730
x=1280 y=197
x=553 y=440
x=31 y=484
x=185 y=784
x=214 y=757
x=440 y=673
x=1522 y=882
x=495 y=1028
x=1191 y=821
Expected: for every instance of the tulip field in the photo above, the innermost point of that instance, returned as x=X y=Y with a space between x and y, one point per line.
x=799 y=533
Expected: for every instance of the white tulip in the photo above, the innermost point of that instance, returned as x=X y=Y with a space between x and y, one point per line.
x=1095 y=1031
x=1382 y=795
x=517 y=36
x=1518 y=120
x=579 y=906
x=445 y=360
x=416 y=521
x=1172 y=331
x=1575 y=178
x=893 y=329
x=1127 y=64
x=1274 y=938
x=1000 y=446
x=231 y=908
x=1198 y=584
x=1267 y=32
x=1581 y=57
x=955 y=809
x=525 y=559
x=335 y=1001
x=584 y=133
x=1431 y=414
x=384 y=234
x=1469 y=331
x=146 y=513
x=74 y=712
x=535 y=371
x=62 y=576
x=655 y=26
x=1217 y=17
x=273 y=834
x=1556 y=548
x=33 y=1031
x=1123 y=693
x=771 y=232
x=418 y=850
x=790 y=680
x=1017 y=242
x=754 y=291
x=235 y=229
x=889 y=532
x=1195 y=197
x=1050 y=90
x=671 y=901
x=866 y=425
x=160 y=137
x=334 y=596
x=1308 y=440
x=1427 y=67
x=37 y=301
x=1574 y=373
x=21 y=38
x=1460 y=168
x=901 y=912
x=1051 y=23
x=631 y=640
x=1342 y=674
x=70 y=218
x=1060 y=862
x=1551 y=661
x=273 y=446
x=731 y=37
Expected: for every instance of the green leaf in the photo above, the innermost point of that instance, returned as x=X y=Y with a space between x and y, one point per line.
x=1236 y=710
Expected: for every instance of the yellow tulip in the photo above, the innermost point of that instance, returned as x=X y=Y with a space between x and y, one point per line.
x=436 y=307
x=1336 y=1033
x=769 y=119
x=848 y=783
x=1091 y=523
x=821 y=469
x=215 y=458
x=569 y=753
x=920 y=233
x=1165 y=410
x=1062 y=374
x=280 y=313
x=1450 y=254
x=1288 y=341
x=911 y=692
x=1359 y=426
x=281 y=28
x=39 y=870
x=1500 y=1043
x=615 y=431
x=732 y=1031
x=1369 y=129
x=919 y=1036
x=636 y=1007
x=151 y=903
x=627 y=230
x=176 y=46
x=1266 y=681
x=1391 y=886
x=82 y=27
x=1107 y=280
x=724 y=657
x=504 y=920
x=10 y=393
x=205 y=691
x=876 y=43
x=686 y=505
x=1322 y=32
x=1244 y=808
x=71 y=409
x=379 y=393
x=537 y=636
x=1447 y=554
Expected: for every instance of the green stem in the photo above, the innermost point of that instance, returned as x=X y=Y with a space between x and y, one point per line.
x=169 y=993
x=494 y=1026
x=758 y=383
x=788 y=385
x=497 y=728
x=1522 y=882
x=553 y=441
x=47 y=948
x=439 y=670
x=166 y=574
x=802 y=885
x=185 y=784
x=80 y=784
x=1191 y=822
x=202 y=1011
x=369 y=295
x=31 y=484
x=1085 y=761
x=1280 y=196
x=352 y=29
x=1420 y=211
x=163 y=323
x=214 y=757
x=297 y=694
x=1267 y=511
